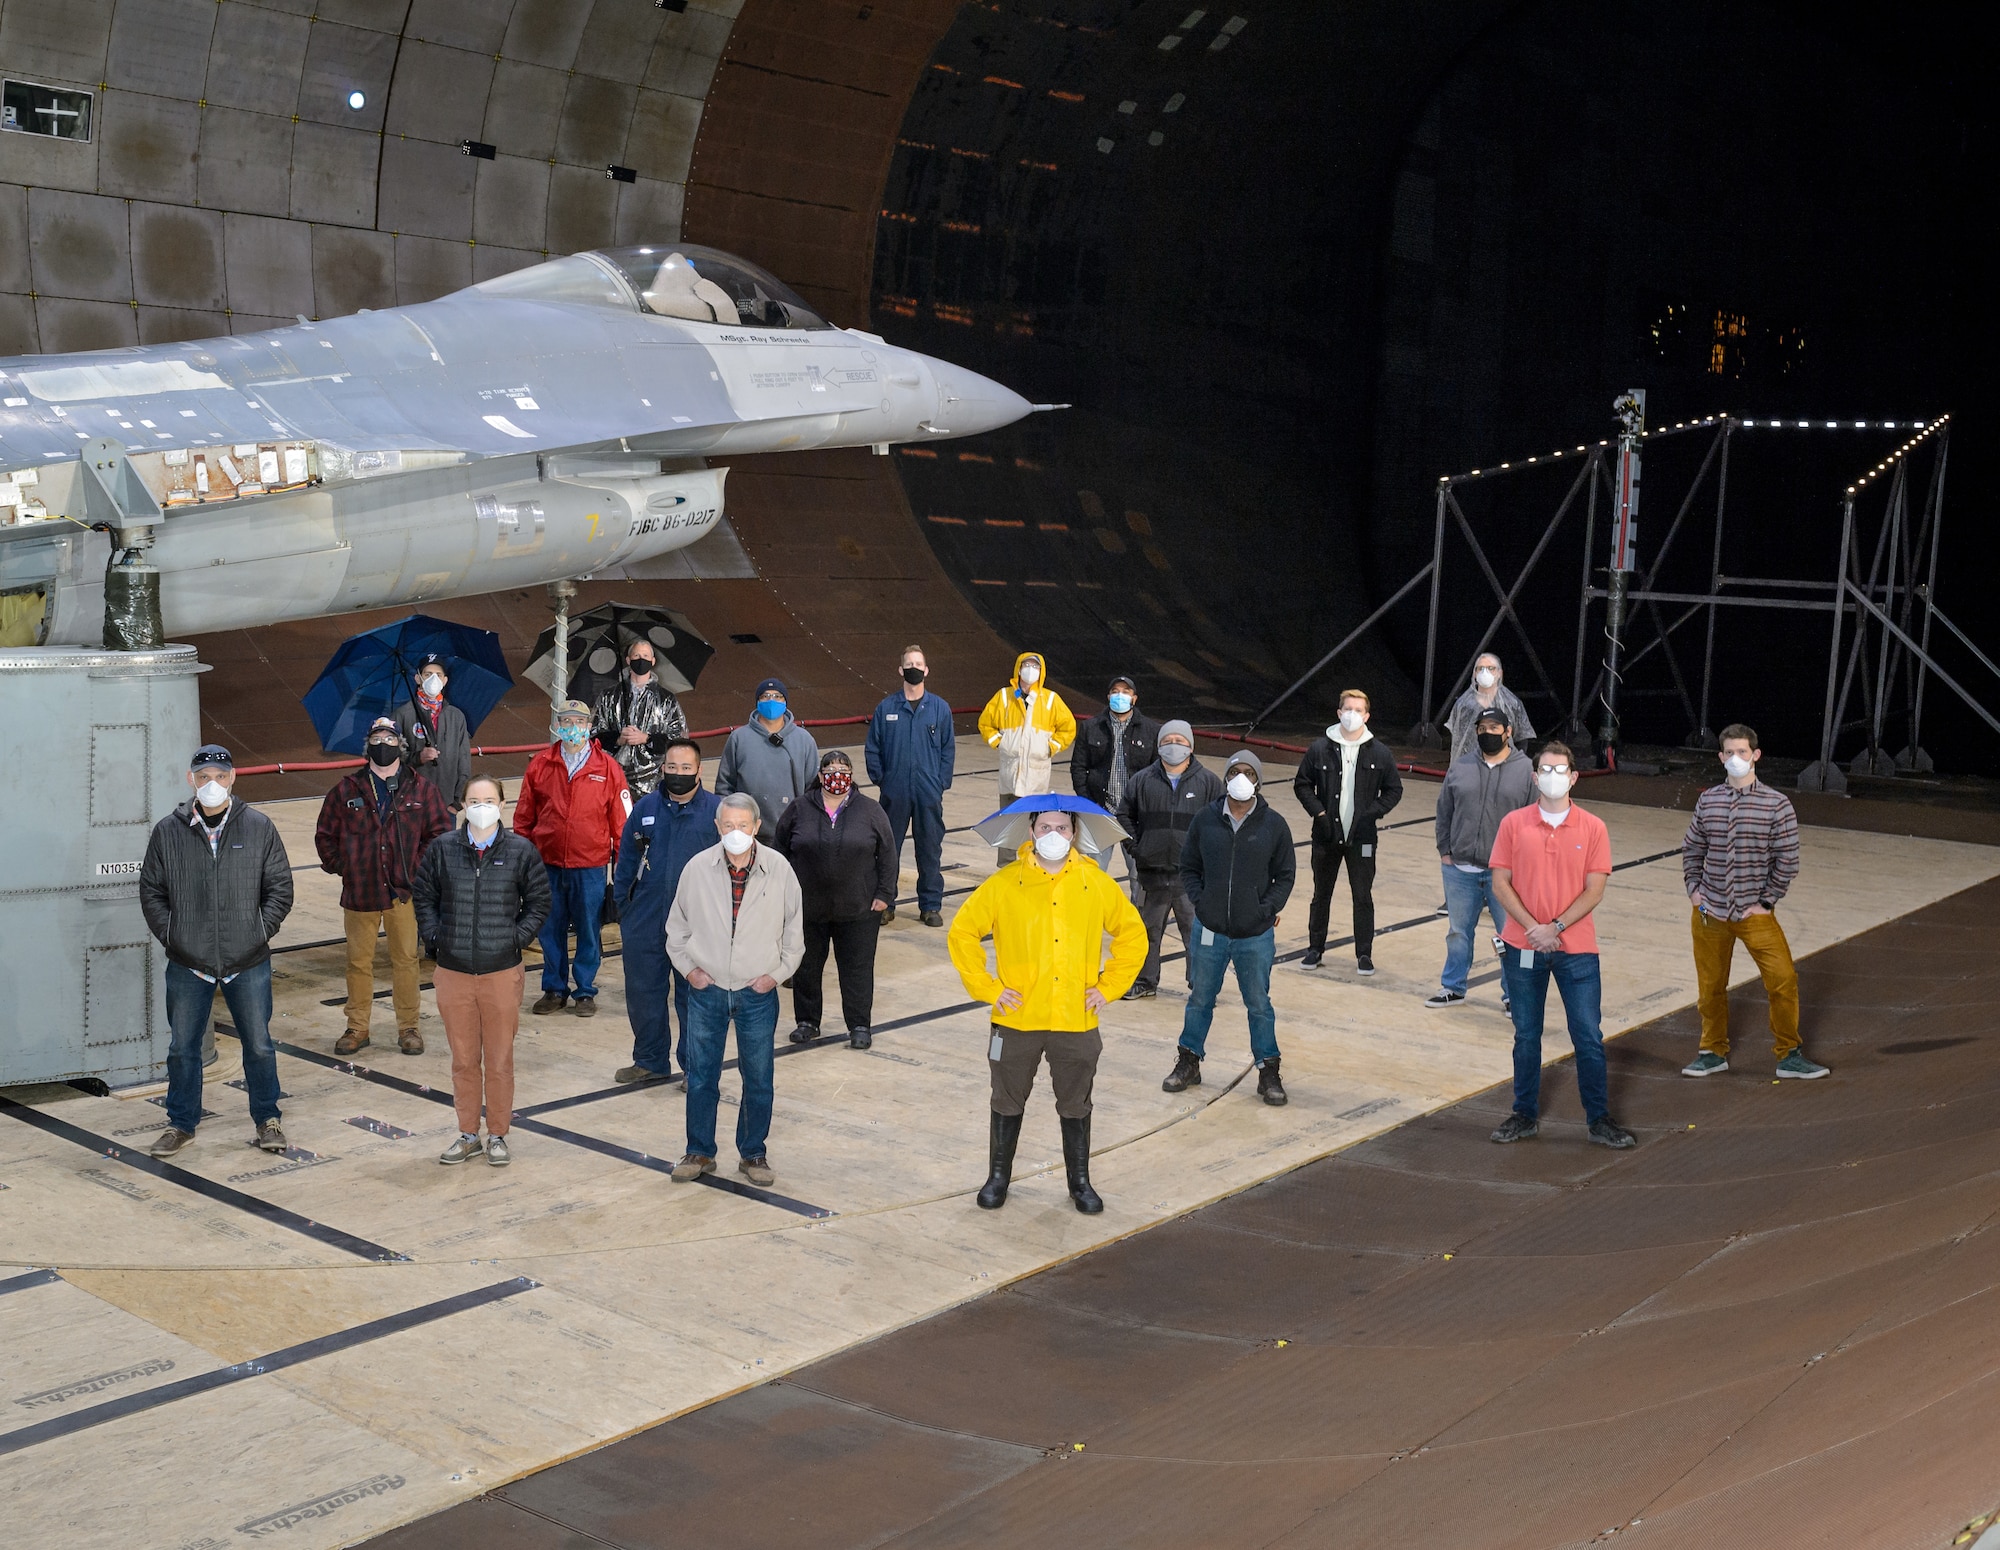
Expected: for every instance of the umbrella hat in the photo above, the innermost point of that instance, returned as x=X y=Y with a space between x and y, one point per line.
x=370 y=674
x=599 y=638
x=1009 y=828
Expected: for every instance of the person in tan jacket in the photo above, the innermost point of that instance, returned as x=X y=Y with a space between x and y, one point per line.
x=1028 y=723
x=736 y=930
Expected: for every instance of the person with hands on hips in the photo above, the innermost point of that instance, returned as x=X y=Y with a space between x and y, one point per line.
x=736 y=929
x=1048 y=913
x=1550 y=863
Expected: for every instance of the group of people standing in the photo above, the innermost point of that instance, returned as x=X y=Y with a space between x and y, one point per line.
x=725 y=895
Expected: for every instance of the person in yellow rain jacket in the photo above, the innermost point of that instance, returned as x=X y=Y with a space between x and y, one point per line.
x=1048 y=913
x=1028 y=723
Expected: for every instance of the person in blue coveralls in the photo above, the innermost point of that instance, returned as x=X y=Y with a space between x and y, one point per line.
x=667 y=826
x=910 y=752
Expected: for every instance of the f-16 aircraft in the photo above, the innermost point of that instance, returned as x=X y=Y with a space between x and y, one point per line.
x=548 y=424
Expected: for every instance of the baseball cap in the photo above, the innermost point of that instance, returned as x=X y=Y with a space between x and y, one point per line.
x=572 y=708
x=209 y=754
x=384 y=724
x=1496 y=715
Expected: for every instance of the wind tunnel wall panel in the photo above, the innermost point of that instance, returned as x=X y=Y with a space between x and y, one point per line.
x=795 y=142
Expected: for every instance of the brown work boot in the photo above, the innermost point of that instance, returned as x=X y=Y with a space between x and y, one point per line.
x=758 y=1171
x=585 y=1006
x=552 y=1001
x=410 y=1042
x=350 y=1041
x=692 y=1167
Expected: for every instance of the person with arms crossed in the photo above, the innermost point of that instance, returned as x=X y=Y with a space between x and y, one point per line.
x=1740 y=857
x=1550 y=864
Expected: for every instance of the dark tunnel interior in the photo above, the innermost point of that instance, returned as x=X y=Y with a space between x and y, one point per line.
x=1290 y=267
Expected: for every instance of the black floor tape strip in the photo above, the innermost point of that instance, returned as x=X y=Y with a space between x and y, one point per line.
x=21 y=1283
x=133 y=1157
x=556 y=1132
x=258 y=1366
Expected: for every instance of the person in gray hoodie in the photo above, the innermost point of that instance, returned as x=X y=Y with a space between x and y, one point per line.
x=1479 y=790
x=771 y=758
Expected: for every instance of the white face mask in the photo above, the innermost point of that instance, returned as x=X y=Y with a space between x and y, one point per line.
x=1174 y=755
x=1485 y=677
x=737 y=841
x=433 y=685
x=1554 y=783
x=212 y=793
x=1242 y=787
x=1738 y=766
x=1030 y=673
x=1052 y=846
x=482 y=815
x=1351 y=721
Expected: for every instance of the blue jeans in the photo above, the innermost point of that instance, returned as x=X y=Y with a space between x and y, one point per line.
x=190 y=999
x=1582 y=989
x=707 y=1029
x=1465 y=893
x=927 y=819
x=649 y=981
x=577 y=894
x=1209 y=956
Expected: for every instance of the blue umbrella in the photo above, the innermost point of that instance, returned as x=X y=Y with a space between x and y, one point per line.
x=1008 y=828
x=371 y=674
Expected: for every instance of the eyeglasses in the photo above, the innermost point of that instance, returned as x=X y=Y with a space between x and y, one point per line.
x=1555 y=769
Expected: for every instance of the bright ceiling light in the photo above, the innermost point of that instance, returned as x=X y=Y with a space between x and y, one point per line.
x=357 y=100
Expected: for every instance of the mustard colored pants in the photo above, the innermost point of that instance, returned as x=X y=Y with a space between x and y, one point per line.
x=1714 y=945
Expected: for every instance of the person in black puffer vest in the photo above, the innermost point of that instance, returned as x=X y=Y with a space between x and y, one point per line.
x=841 y=846
x=481 y=895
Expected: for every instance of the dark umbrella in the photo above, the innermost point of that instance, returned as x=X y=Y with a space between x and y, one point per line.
x=371 y=674
x=599 y=638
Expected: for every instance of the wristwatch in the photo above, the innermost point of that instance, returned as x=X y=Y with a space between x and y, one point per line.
x=1766 y=904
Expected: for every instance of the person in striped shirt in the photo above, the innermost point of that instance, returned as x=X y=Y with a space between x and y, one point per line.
x=1740 y=857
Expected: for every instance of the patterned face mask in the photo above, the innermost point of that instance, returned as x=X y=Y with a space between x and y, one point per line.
x=572 y=733
x=836 y=781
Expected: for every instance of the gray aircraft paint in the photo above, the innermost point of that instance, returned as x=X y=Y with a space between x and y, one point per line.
x=492 y=438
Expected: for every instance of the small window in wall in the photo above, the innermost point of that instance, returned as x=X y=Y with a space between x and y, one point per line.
x=45 y=110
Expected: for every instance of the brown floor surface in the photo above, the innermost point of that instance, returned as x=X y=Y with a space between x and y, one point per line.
x=1772 y=1323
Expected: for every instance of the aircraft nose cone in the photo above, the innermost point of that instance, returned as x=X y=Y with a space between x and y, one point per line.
x=969 y=403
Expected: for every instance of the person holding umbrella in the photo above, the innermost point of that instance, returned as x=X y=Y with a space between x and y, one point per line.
x=481 y=896
x=572 y=809
x=840 y=845
x=637 y=719
x=1048 y=913
x=436 y=740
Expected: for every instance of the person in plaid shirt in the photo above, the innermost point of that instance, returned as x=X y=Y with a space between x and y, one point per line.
x=373 y=828
x=1740 y=857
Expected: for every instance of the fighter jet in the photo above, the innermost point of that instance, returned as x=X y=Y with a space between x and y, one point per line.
x=548 y=424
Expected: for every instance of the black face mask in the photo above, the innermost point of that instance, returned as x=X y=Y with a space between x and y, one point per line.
x=1492 y=742
x=639 y=667
x=679 y=785
x=382 y=755
x=913 y=675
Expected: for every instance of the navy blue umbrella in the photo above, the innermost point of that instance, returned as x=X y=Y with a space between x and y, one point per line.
x=371 y=674
x=1008 y=829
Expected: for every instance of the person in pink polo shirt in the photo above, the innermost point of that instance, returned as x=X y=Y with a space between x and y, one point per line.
x=1550 y=864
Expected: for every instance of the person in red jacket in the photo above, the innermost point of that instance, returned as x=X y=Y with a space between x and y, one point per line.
x=572 y=808
x=373 y=828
